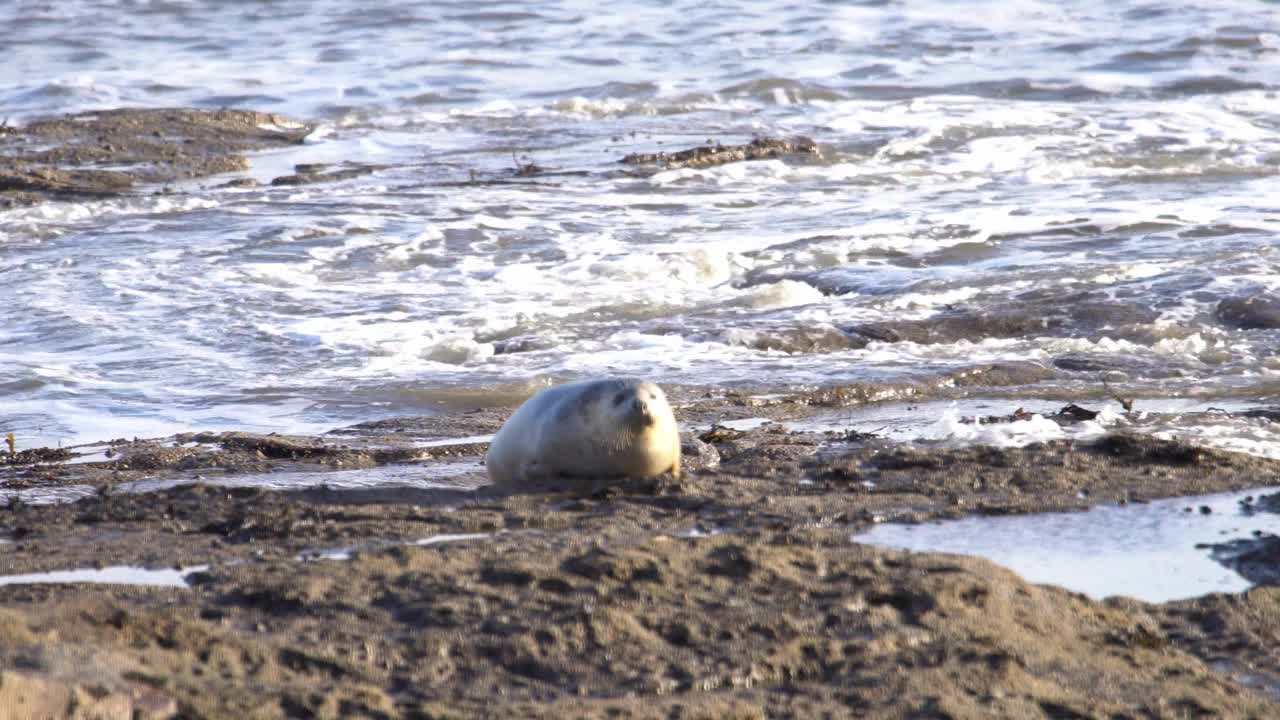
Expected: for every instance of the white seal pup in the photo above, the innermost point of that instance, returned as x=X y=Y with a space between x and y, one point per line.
x=606 y=429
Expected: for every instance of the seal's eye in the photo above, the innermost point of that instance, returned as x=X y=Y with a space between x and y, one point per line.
x=619 y=398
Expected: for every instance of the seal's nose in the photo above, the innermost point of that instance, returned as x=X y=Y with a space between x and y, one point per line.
x=641 y=409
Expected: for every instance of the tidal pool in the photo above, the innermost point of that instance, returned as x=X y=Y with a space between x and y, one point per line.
x=115 y=575
x=1146 y=551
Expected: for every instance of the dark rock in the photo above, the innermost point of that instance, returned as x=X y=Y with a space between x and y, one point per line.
x=710 y=155
x=999 y=375
x=72 y=154
x=522 y=343
x=1256 y=312
x=1056 y=320
x=35 y=455
x=309 y=174
x=696 y=455
x=1271 y=413
x=801 y=340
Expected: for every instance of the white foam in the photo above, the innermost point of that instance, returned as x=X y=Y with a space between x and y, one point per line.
x=602 y=108
x=1018 y=433
x=1245 y=435
x=457 y=351
x=21 y=223
x=927 y=301
x=785 y=293
x=758 y=172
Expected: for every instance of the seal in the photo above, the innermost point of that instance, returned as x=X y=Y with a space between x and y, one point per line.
x=603 y=429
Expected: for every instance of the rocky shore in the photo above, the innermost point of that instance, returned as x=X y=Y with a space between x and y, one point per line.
x=733 y=592
x=129 y=150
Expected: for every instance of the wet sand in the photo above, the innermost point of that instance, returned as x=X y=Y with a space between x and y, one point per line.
x=733 y=592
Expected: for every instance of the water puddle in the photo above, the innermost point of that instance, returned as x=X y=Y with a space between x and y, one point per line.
x=343 y=553
x=346 y=553
x=906 y=421
x=445 y=442
x=429 y=475
x=46 y=495
x=1145 y=551
x=929 y=420
x=1218 y=423
x=89 y=453
x=447 y=538
x=464 y=474
x=115 y=575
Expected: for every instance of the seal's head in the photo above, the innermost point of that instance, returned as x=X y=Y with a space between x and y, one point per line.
x=638 y=404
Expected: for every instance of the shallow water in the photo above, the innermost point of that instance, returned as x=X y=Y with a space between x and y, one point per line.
x=952 y=422
x=1146 y=551
x=1004 y=155
x=115 y=575
x=460 y=475
x=346 y=553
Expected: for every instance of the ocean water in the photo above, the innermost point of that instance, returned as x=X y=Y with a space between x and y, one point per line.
x=1023 y=157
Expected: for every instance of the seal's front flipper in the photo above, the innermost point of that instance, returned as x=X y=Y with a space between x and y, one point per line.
x=533 y=470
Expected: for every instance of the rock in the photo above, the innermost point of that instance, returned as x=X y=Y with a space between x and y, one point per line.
x=999 y=375
x=818 y=339
x=1063 y=317
x=311 y=173
x=1256 y=312
x=697 y=455
x=521 y=343
x=951 y=327
x=61 y=156
x=710 y=155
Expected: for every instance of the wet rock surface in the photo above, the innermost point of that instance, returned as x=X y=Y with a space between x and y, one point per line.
x=119 y=151
x=733 y=591
x=1078 y=318
x=1256 y=558
x=109 y=152
x=713 y=154
x=1255 y=312
x=818 y=339
x=311 y=173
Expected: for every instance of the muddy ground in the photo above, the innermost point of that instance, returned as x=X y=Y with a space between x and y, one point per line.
x=734 y=591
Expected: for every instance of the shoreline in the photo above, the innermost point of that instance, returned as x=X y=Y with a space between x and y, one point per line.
x=736 y=590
